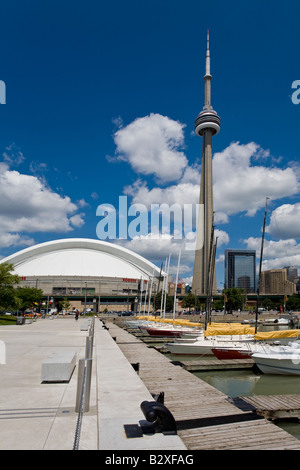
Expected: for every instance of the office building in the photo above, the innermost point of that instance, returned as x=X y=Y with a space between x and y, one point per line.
x=274 y=281
x=240 y=270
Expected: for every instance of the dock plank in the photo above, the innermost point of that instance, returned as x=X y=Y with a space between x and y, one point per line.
x=218 y=364
x=276 y=406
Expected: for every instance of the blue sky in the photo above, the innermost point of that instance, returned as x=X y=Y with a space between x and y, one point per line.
x=87 y=83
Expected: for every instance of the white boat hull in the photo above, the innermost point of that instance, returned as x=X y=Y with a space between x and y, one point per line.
x=190 y=349
x=203 y=347
x=285 y=362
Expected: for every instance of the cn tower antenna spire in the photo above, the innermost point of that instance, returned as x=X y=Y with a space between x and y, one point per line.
x=207 y=68
x=207 y=77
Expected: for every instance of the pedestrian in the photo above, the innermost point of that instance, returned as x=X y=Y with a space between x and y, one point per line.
x=76 y=315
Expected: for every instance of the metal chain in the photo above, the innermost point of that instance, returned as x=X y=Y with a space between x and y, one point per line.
x=80 y=414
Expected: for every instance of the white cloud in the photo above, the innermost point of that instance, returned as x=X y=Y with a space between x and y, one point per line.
x=151 y=146
x=188 y=280
x=14 y=239
x=77 y=220
x=27 y=205
x=276 y=254
x=240 y=185
x=223 y=237
x=158 y=248
x=13 y=155
x=285 y=221
x=82 y=203
x=182 y=193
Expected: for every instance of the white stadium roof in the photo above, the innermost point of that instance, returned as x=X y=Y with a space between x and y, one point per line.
x=81 y=257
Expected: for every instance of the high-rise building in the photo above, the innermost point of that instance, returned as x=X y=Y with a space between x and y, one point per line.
x=291 y=272
x=240 y=269
x=275 y=281
x=207 y=125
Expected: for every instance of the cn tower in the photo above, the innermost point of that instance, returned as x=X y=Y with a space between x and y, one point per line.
x=207 y=125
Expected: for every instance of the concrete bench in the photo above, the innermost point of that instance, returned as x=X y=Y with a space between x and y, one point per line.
x=59 y=366
x=84 y=326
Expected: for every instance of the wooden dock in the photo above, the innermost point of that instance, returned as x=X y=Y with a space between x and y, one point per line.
x=206 y=418
x=275 y=407
x=216 y=364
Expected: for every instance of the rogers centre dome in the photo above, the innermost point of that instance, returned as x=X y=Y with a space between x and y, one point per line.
x=85 y=270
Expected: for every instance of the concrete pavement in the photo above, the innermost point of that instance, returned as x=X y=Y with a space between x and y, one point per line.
x=41 y=416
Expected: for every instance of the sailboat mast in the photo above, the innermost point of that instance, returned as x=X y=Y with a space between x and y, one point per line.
x=156 y=290
x=174 y=306
x=150 y=294
x=163 y=290
x=260 y=263
x=166 y=286
x=209 y=279
x=212 y=278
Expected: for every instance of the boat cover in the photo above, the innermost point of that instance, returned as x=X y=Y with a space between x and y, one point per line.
x=260 y=336
x=229 y=329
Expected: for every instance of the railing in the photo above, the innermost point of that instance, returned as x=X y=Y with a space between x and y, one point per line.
x=84 y=383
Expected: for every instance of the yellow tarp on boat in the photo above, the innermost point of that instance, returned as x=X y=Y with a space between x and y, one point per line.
x=213 y=328
x=195 y=324
x=229 y=329
x=265 y=335
x=187 y=323
x=146 y=317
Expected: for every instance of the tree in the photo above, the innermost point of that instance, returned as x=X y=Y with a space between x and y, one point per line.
x=8 y=297
x=293 y=302
x=29 y=297
x=219 y=304
x=267 y=303
x=169 y=302
x=190 y=301
x=233 y=299
x=6 y=276
x=64 y=304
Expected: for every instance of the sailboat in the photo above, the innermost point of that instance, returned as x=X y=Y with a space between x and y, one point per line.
x=282 y=361
x=204 y=346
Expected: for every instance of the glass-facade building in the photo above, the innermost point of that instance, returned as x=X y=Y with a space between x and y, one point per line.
x=240 y=269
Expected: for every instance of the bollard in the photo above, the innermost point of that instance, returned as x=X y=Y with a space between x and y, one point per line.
x=91 y=330
x=89 y=347
x=159 y=416
x=83 y=385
